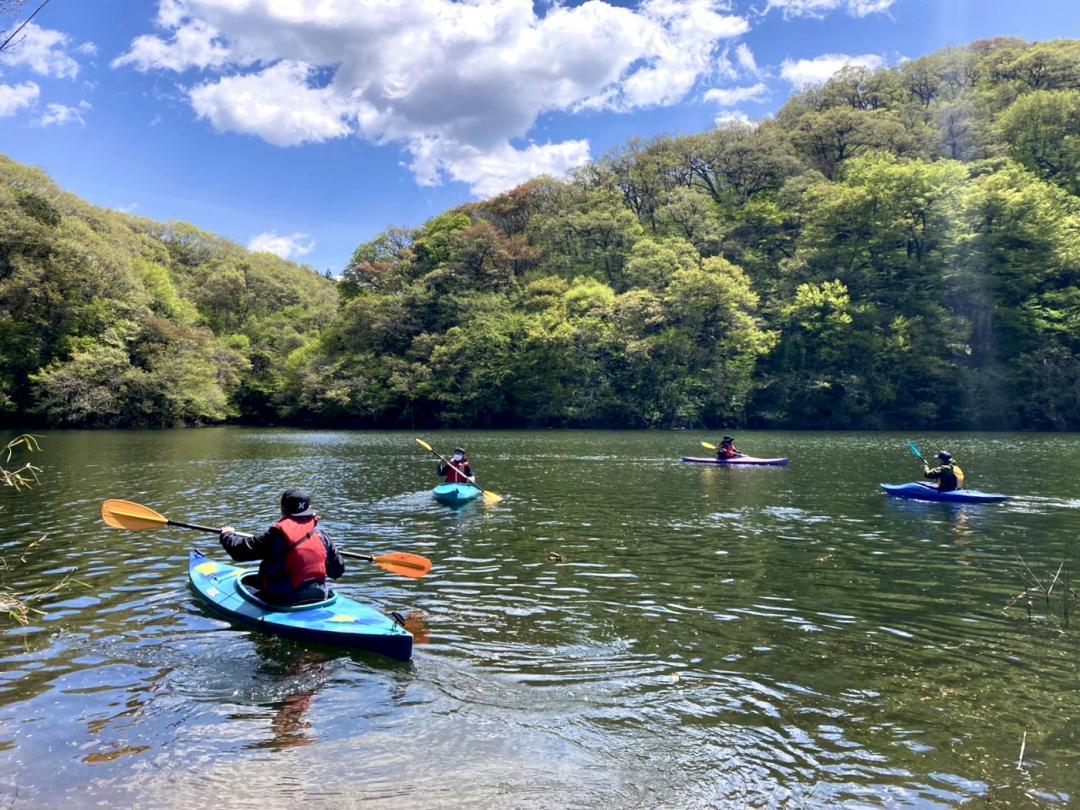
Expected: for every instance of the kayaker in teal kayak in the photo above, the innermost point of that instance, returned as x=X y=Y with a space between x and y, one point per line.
x=948 y=475
x=296 y=557
x=727 y=449
x=458 y=471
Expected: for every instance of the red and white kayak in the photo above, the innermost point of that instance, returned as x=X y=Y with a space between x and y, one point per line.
x=738 y=461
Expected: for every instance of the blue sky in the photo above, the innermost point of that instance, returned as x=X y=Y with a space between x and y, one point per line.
x=306 y=128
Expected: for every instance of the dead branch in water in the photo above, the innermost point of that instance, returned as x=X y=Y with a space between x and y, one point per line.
x=1036 y=585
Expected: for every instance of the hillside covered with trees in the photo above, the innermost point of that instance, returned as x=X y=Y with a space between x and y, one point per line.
x=897 y=248
x=112 y=320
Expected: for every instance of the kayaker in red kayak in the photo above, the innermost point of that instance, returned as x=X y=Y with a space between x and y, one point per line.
x=948 y=475
x=458 y=470
x=727 y=449
x=296 y=557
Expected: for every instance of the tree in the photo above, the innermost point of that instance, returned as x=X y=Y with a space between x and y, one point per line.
x=1042 y=131
x=9 y=10
x=735 y=162
x=827 y=139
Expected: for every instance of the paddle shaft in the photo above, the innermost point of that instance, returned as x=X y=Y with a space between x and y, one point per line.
x=211 y=530
x=122 y=514
x=918 y=453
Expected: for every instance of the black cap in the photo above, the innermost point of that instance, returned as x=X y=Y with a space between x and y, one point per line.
x=296 y=503
x=728 y=439
x=460 y=450
x=945 y=456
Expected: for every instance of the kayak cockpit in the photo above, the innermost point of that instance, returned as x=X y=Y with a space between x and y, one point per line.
x=247 y=587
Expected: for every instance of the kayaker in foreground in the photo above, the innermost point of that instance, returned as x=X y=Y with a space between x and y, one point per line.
x=296 y=557
x=458 y=471
x=948 y=475
x=727 y=449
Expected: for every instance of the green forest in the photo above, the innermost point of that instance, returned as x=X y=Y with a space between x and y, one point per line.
x=896 y=248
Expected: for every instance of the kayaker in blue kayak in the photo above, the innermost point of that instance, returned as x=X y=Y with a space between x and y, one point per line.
x=948 y=475
x=296 y=557
x=458 y=471
x=727 y=449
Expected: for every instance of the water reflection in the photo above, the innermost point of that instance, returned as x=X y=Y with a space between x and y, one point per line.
x=296 y=675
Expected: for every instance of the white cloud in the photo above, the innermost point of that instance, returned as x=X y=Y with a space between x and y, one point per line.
x=745 y=57
x=278 y=104
x=87 y=49
x=14 y=97
x=60 y=115
x=490 y=171
x=730 y=96
x=286 y=247
x=729 y=117
x=819 y=8
x=804 y=72
x=455 y=83
x=43 y=51
x=195 y=44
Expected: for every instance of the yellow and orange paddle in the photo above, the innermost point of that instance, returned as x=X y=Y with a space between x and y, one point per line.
x=135 y=517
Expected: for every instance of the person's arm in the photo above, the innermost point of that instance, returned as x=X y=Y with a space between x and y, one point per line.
x=467 y=469
x=443 y=469
x=243 y=548
x=928 y=473
x=335 y=565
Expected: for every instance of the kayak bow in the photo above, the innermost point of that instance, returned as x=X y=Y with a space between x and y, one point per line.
x=455 y=494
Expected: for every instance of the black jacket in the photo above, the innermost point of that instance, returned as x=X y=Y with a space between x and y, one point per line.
x=946 y=477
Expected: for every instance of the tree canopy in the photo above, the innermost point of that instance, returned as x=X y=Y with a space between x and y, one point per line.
x=895 y=248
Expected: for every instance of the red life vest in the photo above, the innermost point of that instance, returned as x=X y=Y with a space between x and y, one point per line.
x=305 y=551
x=452 y=474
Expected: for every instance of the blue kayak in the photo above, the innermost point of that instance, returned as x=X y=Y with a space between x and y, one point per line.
x=455 y=494
x=338 y=620
x=928 y=492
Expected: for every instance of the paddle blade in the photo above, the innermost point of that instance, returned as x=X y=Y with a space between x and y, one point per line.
x=131 y=516
x=915 y=449
x=407 y=565
x=708 y=446
x=491 y=498
x=425 y=445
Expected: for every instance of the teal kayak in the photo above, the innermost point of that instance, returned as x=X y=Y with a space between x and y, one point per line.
x=455 y=494
x=928 y=492
x=338 y=620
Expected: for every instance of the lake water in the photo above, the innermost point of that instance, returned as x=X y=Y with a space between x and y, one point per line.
x=774 y=637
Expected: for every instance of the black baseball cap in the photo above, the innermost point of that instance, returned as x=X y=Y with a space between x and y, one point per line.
x=296 y=502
